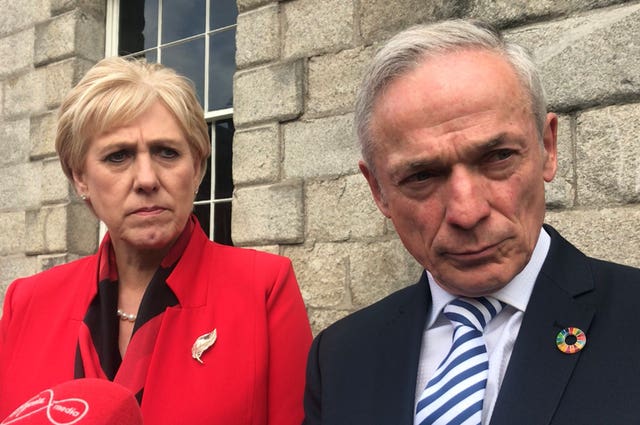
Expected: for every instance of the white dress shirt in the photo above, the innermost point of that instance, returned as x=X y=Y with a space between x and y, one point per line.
x=500 y=333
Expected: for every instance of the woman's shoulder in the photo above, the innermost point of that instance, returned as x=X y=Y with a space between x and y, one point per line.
x=229 y=266
x=202 y=249
x=249 y=265
x=55 y=278
x=242 y=255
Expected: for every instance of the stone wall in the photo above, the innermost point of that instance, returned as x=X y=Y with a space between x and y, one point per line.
x=298 y=191
x=45 y=47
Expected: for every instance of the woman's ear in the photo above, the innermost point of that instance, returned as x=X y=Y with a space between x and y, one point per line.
x=79 y=184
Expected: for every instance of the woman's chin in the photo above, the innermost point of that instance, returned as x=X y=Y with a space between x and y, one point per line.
x=149 y=242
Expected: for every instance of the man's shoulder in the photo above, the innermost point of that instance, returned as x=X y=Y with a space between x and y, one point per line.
x=609 y=268
x=381 y=313
x=578 y=273
x=567 y=252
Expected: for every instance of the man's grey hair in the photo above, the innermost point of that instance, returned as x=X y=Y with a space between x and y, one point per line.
x=407 y=50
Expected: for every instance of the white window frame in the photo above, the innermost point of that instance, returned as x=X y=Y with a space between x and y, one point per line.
x=111 y=49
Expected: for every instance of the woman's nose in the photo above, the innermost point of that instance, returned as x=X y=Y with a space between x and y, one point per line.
x=146 y=178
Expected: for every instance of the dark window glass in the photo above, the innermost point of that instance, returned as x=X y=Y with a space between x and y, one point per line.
x=222 y=223
x=222 y=50
x=182 y=19
x=138 y=26
x=203 y=214
x=224 y=181
x=223 y=13
x=224 y=156
x=188 y=60
x=204 y=191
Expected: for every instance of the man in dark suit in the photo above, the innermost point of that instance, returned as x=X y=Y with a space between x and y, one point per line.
x=457 y=145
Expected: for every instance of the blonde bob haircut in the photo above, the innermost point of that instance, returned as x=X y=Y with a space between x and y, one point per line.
x=116 y=91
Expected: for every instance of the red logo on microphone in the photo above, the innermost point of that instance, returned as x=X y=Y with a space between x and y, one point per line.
x=59 y=412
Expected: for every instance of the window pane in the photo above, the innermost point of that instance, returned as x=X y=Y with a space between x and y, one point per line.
x=204 y=191
x=188 y=59
x=222 y=51
x=222 y=223
x=150 y=56
x=203 y=213
x=181 y=19
x=224 y=158
x=138 y=26
x=223 y=13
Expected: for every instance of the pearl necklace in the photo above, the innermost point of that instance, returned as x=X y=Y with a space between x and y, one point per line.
x=126 y=317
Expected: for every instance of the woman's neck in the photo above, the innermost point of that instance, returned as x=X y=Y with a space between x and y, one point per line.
x=135 y=270
x=136 y=267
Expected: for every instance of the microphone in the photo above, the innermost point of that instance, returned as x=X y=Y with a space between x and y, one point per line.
x=87 y=401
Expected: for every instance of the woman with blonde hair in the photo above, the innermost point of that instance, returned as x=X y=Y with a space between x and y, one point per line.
x=201 y=333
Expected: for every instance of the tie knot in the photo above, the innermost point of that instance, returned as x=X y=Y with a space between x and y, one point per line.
x=472 y=312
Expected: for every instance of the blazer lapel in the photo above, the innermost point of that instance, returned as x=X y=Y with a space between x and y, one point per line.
x=538 y=371
x=400 y=340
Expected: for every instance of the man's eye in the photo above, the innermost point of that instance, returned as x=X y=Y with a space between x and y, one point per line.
x=501 y=155
x=420 y=176
x=417 y=178
x=117 y=157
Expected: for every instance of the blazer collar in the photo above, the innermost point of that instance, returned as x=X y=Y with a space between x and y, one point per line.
x=188 y=280
x=398 y=347
x=538 y=371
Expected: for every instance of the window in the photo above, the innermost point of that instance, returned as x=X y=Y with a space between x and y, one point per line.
x=197 y=39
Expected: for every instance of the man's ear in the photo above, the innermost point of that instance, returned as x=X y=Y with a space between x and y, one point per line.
x=550 y=145
x=376 y=191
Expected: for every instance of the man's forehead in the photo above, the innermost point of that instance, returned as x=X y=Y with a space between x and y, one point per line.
x=452 y=69
x=444 y=90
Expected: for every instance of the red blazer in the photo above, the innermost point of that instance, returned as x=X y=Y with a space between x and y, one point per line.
x=253 y=374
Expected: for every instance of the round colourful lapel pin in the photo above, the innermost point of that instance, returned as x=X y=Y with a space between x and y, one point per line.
x=571 y=340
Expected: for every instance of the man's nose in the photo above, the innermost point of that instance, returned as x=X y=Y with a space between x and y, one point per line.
x=466 y=198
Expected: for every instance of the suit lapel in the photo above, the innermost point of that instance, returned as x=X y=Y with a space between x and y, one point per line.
x=398 y=349
x=538 y=372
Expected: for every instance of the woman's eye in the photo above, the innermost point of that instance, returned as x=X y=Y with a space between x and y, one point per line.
x=117 y=157
x=168 y=153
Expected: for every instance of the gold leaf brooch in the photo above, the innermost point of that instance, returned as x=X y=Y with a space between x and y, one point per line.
x=202 y=344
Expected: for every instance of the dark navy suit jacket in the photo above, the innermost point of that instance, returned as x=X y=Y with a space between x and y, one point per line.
x=363 y=369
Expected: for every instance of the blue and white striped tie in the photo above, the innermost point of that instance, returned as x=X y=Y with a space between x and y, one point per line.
x=455 y=393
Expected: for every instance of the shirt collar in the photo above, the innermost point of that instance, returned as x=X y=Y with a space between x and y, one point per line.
x=516 y=293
